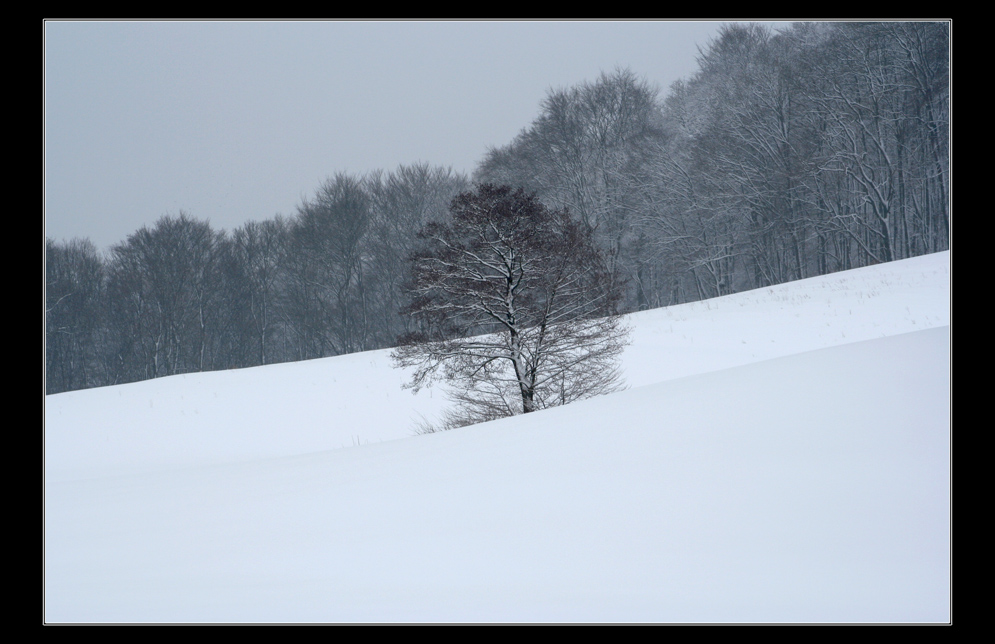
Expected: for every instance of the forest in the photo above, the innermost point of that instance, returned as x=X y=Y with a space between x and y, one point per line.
x=817 y=148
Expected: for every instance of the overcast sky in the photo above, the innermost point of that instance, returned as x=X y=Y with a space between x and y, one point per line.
x=236 y=121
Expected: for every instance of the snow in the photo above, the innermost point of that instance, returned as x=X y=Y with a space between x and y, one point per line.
x=782 y=456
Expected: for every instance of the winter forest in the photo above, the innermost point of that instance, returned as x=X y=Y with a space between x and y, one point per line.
x=789 y=154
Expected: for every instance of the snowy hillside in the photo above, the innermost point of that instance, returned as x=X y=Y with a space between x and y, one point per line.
x=782 y=455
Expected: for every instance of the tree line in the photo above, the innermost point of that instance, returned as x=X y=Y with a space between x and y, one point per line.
x=788 y=154
x=181 y=297
x=818 y=148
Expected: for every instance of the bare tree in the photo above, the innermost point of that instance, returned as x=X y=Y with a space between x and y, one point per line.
x=165 y=293
x=402 y=202
x=583 y=152
x=324 y=301
x=517 y=308
x=74 y=292
x=258 y=250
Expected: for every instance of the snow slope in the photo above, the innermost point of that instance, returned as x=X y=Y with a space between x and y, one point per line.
x=783 y=455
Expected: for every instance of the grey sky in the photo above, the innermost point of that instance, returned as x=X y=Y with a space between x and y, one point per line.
x=236 y=121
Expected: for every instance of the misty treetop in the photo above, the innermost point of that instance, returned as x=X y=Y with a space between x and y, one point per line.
x=788 y=154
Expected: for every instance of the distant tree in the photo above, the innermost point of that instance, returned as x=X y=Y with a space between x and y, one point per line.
x=74 y=293
x=402 y=202
x=324 y=304
x=584 y=152
x=258 y=248
x=164 y=293
x=516 y=306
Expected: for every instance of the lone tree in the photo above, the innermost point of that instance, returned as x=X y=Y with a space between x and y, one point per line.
x=516 y=308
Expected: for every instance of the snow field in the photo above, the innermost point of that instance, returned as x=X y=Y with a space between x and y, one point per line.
x=782 y=455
